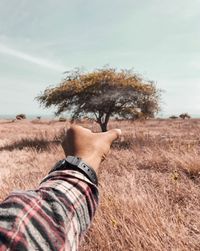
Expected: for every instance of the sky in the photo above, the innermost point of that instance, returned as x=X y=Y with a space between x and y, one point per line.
x=40 y=40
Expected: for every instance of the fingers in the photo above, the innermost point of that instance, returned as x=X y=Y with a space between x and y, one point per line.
x=91 y=147
x=78 y=131
x=112 y=135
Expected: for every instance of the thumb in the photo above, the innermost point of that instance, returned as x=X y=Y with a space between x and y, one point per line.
x=112 y=135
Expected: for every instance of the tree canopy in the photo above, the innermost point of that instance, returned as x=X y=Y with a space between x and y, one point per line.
x=102 y=94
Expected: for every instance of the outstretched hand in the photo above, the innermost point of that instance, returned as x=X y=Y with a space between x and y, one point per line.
x=90 y=147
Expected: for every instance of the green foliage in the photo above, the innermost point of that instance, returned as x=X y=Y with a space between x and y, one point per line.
x=103 y=93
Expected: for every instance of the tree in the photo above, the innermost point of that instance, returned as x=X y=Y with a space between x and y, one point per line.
x=102 y=94
x=184 y=116
x=173 y=117
x=20 y=116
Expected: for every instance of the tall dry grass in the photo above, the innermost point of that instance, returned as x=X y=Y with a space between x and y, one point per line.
x=149 y=184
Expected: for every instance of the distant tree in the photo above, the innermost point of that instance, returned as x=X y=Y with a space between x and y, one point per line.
x=184 y=116
x=102 y=94
x=20 y=116
x=173 y=117
x=62 y=119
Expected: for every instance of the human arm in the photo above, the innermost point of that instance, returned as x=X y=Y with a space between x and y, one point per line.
x=56 y=215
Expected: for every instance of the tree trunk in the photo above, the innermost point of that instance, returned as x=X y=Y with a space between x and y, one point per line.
x=103 y=127
x=102 y=120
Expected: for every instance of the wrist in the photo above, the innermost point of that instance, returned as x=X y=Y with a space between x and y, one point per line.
x=94 y=162
x=91 y=157
x=77 y=164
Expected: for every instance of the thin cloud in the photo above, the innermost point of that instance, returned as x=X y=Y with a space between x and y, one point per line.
x=31 y=59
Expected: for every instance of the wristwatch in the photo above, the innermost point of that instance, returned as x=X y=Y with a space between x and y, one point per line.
x=76 y=163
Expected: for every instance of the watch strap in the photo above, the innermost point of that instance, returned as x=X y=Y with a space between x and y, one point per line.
x=76 y=163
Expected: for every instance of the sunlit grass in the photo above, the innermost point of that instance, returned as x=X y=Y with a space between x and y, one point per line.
x=149 y=185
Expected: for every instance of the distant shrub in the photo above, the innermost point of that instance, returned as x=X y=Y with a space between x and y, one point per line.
x=173 y=117
x=62 y=119
x=184 y=116
x=20 y=116
x=38 y=117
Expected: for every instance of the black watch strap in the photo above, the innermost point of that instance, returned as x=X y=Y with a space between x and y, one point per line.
x=76 y=163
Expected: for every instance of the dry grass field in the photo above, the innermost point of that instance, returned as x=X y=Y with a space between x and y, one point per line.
x=149 y=184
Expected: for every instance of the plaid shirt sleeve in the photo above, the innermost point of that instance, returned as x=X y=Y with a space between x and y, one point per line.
x=53 y=217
